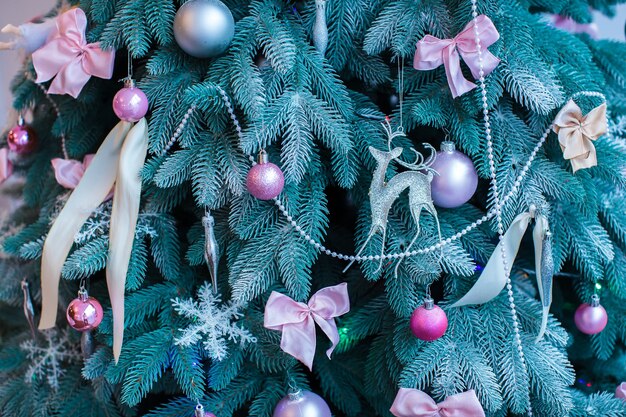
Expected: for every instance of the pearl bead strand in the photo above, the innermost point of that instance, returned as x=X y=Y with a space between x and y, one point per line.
x=496 y=195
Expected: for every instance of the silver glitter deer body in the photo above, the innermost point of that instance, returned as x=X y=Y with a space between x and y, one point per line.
x=383 y=193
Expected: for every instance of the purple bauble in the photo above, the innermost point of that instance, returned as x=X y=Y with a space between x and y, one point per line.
x=457 y=179
x=302 y=404
x=591 y=318
x=429 y=322
x=84 y=312
x=130 y=103
x=265 y=180
x=22 y=139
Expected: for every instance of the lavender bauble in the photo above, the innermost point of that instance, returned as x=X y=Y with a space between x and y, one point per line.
x=130 y=103
x=265 y=180
x=457 y=179
x=428 y=322
x=22 y=139
x=302 y=404
x=84 y=312
x=591 y=318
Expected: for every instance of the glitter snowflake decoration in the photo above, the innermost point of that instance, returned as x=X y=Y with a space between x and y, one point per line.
x=213 y=322
x=47 y=354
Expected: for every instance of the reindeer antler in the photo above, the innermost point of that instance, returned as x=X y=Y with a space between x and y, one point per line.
x=420 y=163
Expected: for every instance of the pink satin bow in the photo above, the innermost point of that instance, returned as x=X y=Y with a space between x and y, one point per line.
x=68 y=56
x=570 y=25
x=432 y=52
x=6 y=166
x=415 y=403
x=620 y=391
x=69 y=172
x=297 y=320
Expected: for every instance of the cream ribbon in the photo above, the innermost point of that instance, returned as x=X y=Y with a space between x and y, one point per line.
x=493 y=278
x=118 y=161
x=576 y=133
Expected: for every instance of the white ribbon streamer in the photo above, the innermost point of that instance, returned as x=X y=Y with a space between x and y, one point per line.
x=493 y=278
x=124 y=215
x=86 y=197
x=118 y=161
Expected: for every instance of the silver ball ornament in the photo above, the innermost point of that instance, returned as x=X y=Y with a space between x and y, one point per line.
x=302 y=404
x=204 y=28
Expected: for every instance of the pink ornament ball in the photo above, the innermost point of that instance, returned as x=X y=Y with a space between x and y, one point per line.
x=620 y=391
x=591 y=318
x=265 y=180
x=22 y=139
x=84 y=313
x=302 y=404
x=428 y=322
x=201 y=413
x=130 y=103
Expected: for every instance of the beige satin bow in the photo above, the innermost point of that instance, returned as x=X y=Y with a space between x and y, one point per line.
x=576 y=133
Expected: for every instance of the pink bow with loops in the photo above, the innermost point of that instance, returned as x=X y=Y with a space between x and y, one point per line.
x=415 y=403
x=69 y=57
x=297 y=320
x=69 y=172
x=432 y=52
x=6 y=166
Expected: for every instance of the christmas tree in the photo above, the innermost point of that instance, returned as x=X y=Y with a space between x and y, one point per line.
x=434 y=190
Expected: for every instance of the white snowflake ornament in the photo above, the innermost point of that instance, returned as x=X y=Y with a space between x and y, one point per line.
x=213 y=322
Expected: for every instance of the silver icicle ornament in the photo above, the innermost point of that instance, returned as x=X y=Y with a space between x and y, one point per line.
x=211 y=249
x=29 y=311
x=320 y=30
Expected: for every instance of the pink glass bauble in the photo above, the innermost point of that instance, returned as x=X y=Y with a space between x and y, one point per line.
x=302 y=404
x=457 y=179
x=22 y=139
x=265 y=180
x=591 y=318
x=84 y=312
x=620 y=391
x=130 y=103
x=201 y=413
x=428 y=322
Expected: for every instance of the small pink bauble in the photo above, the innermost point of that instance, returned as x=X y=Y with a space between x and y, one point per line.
x=265 y=180
x=130 y=103
x=620 y=391
x=429 y=322
x=591 y=318
x=22 y=139
x=84 y=312
x=201 y=413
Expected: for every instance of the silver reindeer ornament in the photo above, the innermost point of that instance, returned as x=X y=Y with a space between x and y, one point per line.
x=383 y=193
